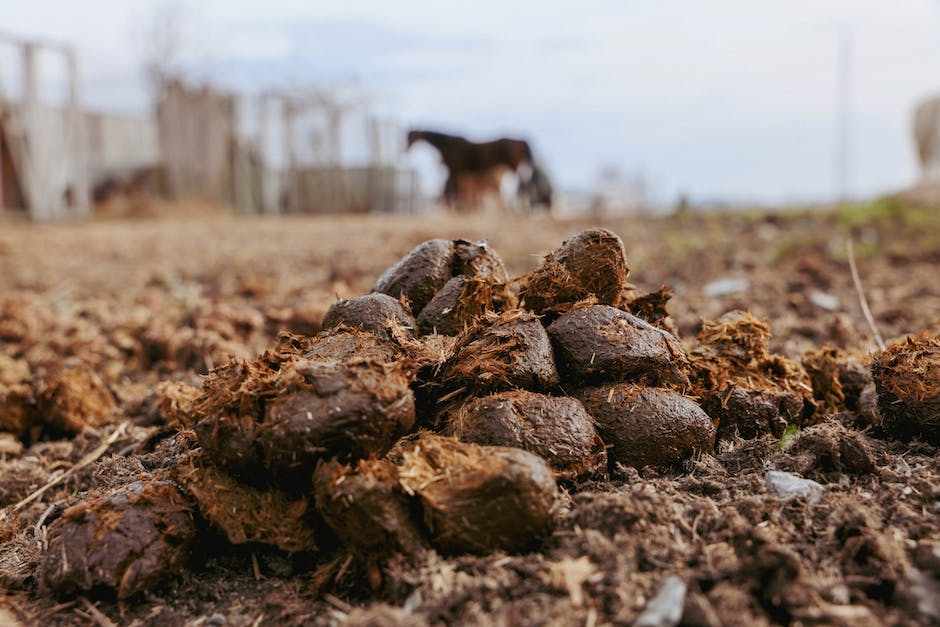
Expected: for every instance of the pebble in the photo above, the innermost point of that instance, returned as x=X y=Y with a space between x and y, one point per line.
x=824 y=300
x=726 y=287
x=789 y=486
x=665 y=609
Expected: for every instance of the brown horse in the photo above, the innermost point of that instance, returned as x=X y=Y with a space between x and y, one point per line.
x=462 y=157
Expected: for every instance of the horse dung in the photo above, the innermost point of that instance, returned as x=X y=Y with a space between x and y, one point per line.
x=907 y=379
x=601 y=342
x=592 y=264
x=125 y=540
x=478 y=499
x=372 y=312
x=648 y=426
x=557 y=429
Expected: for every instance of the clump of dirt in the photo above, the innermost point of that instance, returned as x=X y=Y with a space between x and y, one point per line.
x=592 y=264
x=125 y=540
x=647 y=426
x=558 y=429
x=603 y=343
x=742 y=385
x=371 y=312
x=907 y=378
x=479 y=499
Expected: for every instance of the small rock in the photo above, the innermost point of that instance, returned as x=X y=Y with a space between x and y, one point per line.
x=726 y=287
x=824 y=300
x=665 y=609
x=789 y=486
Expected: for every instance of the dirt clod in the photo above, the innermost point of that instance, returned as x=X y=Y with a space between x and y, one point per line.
x=648 y=426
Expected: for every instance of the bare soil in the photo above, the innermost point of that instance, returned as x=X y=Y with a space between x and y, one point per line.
x=107 y=329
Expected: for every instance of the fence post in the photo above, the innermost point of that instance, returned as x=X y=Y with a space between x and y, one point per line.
x=35 y=201
x=81 y=200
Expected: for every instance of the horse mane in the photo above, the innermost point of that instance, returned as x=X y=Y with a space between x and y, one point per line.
x=436 y=139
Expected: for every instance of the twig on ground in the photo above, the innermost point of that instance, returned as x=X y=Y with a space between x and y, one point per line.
x=85 y=461
x=861 y=296
x=97 y=614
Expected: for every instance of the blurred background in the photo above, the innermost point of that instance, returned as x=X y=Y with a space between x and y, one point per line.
x=292 y=107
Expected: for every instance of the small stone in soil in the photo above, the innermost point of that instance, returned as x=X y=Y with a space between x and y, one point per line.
x=789 y=486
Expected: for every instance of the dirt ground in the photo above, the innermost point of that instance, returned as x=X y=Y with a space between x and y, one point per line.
x=129 y=304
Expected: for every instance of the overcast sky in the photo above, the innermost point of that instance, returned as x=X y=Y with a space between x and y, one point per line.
x=728 y=99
